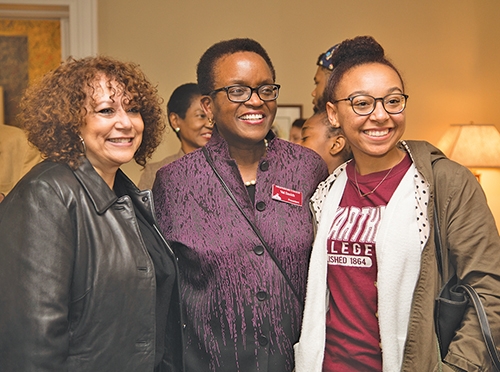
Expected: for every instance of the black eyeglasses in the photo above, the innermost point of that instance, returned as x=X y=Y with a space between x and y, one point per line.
x=242 y=93
x=364 y=104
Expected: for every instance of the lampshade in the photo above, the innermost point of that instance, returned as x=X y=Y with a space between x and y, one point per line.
x=472 y=145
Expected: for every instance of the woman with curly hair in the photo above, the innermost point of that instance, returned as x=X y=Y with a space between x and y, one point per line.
x=86 y=280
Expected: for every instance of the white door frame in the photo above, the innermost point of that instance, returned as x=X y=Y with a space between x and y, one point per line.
x=78 y=23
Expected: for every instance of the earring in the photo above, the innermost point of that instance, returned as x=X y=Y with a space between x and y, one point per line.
x=177 y=130
x=83 y=145
x=211 y=122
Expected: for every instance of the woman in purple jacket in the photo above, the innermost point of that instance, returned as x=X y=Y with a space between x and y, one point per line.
x=243 y=300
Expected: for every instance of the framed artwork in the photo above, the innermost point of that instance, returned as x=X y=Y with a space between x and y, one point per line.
x=14 y=73
x=78 y=20
x=35 y=35
x=285 y=116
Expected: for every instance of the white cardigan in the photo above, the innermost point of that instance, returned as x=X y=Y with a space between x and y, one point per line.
x=398 y=250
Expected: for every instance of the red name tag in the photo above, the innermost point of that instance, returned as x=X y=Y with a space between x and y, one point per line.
x=287 y=195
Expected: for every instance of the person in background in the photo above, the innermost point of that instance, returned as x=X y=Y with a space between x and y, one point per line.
x=190 y=124
x=374 y=256
x=329 y=142
x=295 y=130
x=17 y=157
x=86 y=280
x=323 y=72
x=243 y=308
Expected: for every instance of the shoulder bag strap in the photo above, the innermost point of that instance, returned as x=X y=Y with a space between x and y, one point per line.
x=485 y=326
x=254 y=228
x=437 y=243
x=437 y=235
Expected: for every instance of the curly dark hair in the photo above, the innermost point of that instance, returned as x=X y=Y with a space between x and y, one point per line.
x=352 y=53
x=205 y=69
x=54 y=109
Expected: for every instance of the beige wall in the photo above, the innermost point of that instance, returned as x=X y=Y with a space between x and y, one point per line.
x=447 y=50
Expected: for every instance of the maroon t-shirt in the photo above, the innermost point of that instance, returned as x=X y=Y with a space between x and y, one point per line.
x=352 y=333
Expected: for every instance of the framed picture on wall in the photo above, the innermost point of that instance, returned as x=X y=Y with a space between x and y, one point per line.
x=285 y=116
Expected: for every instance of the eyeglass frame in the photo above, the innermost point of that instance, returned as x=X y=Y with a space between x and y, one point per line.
x=381 y=99
x=252 y=90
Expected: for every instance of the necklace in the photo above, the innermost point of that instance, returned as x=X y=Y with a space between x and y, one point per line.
x=376 y=187
x=254 y=181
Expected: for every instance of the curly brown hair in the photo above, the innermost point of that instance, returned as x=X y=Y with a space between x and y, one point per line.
x=54 y=109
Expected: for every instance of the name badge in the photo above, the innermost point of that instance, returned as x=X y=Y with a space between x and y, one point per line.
x=286 y=195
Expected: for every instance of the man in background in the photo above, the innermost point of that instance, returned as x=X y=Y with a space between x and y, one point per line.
x=323 y=72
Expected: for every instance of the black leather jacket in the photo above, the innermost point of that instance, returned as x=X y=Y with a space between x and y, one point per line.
x=77 y=285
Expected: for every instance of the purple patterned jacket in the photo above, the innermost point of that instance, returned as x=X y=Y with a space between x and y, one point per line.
x=239 y=311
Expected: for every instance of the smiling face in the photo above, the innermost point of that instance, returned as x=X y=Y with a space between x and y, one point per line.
x=195 y=130
x=373 y=138
x=246 y=123
x=113 y=128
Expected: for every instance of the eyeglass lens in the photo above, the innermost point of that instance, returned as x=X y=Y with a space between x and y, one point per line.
x=365 y=105
x=242 y=93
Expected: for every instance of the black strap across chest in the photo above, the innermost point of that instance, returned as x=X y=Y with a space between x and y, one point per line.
x=252 y=225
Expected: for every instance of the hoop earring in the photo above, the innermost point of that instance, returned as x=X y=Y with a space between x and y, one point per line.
x=83 y=145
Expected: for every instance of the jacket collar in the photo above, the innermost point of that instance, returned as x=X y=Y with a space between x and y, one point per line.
x=423 y=155
x=100 y=194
